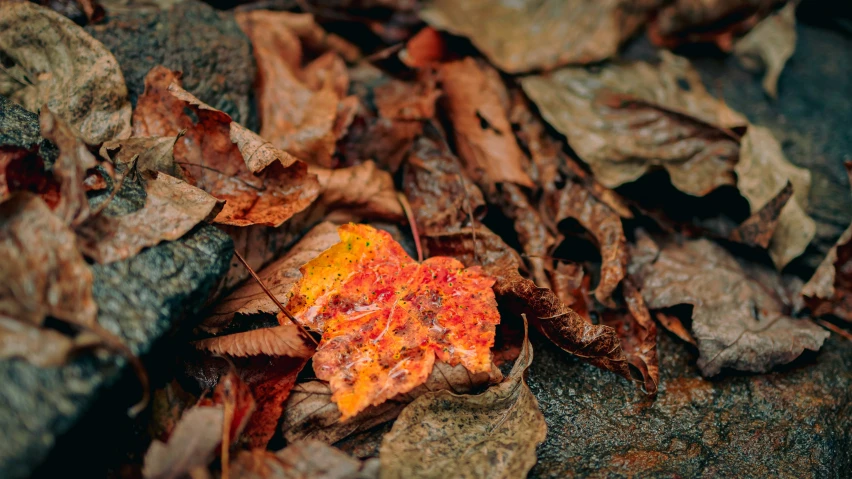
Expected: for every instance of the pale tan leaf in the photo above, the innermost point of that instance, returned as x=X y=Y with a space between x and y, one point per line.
x=191 y=445
x=769 y=45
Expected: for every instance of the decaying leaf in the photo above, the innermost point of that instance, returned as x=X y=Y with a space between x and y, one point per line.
x=759 y=228
x=42 y=347
x=69 y=170
x=147 y=154
x=283 y=340
x=279 y=276
x=385 y=318
x=424 y=49
x=638 y=335
x=260 y=185
x=493 y=434
x=300 y=460
x=536 y=240
x=738 y=318
x=44 y=273
x=541 y=35
x=270 y=381
x=625 y=118
x=299 y=108
x=829 y=291
x=769 y=45
x=56 y=63
x=192 y=444
x=675 y=326
x=571 y=285
x=172 y=208
x=699 y=21
x=477 y=104
x=360 y=191
x=575 y=201
x=762 y=173
x=311 y=414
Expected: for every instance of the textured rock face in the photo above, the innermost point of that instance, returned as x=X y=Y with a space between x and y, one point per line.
x=206 y=45
x=140 y=299
x=795 y=422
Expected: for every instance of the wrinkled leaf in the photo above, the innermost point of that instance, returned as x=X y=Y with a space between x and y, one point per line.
x=260 y=185
x=769 y=45
x=575 y=201
x=477 y=104
x=300 y=460
x=533 y=235
x=55 y=62
x=738 y=320
x=43 y=272
x=385 y=318
x=311 y=414
x=700 y=21
x=299 y=108
x=638 y=335
x=360 y=191
x=270 y=381
x=829 y=291
x=762 y=172
x=626 y=118
x=172 y=208
x=541 y=35
x=192 y=444
x=493 y=434
x=284 y=340
x=147 y=154
x=571 y=285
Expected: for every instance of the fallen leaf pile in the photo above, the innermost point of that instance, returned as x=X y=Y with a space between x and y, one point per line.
x=427 y=183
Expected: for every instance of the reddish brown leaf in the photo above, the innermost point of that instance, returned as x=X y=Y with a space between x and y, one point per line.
x=260 y=184
x=477 y=104
x=270 y=381
x=675 y=326
x=575 y=201
x=298 y=108
x=23 y=170
x=758 y=229
x=385 y=318
x=533 y=235
x=571 y=285
x=424 y=49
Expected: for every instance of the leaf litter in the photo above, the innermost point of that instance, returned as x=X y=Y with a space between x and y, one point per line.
x=490 y=158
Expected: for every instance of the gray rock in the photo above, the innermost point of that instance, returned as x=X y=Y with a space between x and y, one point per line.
x=795 y=422
x=206 y=45
x=140 y=299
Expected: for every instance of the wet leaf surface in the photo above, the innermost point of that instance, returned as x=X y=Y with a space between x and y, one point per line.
x=385 y=318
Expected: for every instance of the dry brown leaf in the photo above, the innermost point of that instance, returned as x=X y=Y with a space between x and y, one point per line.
x=311 y=414
x=493 y=434
x=172 y=208
x=739 y=319
x=536 y=240
x=300 y=460
x=762 y=172
x=283 y=340
x=279 y=277
x=626 y=118
x=261 y=185
x=699 y=21
x=50 y=60
x=192 y=444
x=477 y=104
x=298 y=108
x=42 y=347
x=758 y=229
x=769 y=45
x=829 y=291
x=362 y=191
x=675 y=326
x=69 y=170
x=575 y=201
x=541 y=35
x=270 y=381
x=638 y=335
x=426 y=48
x=44 y=273
x=571 y=285
x=147 y=154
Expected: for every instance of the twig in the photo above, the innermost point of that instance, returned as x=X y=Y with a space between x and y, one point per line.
x=406 y=207
x=274 y=299
x=835 y=328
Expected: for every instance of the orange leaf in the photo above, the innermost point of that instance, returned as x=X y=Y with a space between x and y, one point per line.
x=385 y=318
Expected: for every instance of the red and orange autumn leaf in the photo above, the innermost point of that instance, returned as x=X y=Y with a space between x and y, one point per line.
x=385 y=318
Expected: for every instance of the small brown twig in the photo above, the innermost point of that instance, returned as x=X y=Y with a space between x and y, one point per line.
x=834 y=328
x=406 y=207
x=274 y=299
